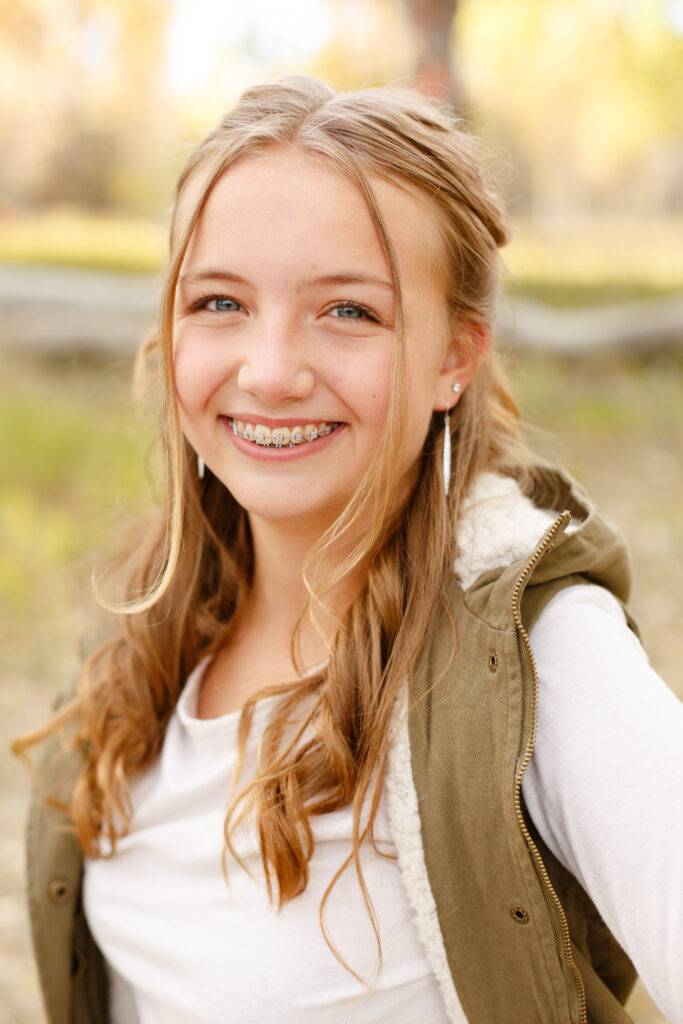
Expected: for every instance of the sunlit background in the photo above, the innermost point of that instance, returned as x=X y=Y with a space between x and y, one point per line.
x=580 y=104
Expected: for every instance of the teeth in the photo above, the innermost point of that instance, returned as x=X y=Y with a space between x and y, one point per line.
x=263 y=435
x=280 y=437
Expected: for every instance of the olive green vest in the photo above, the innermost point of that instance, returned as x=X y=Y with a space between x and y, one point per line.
x=70 y=967
x=524 y=943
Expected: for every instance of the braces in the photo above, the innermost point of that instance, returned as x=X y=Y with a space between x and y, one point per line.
x=310 y=432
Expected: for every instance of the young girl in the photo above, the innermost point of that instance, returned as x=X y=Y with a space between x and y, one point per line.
x=299 y=779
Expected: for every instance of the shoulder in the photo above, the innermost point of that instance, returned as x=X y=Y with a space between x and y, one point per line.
x=51 y=839
x=517 y=547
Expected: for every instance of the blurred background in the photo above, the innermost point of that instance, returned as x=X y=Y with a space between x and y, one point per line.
x=580 y=104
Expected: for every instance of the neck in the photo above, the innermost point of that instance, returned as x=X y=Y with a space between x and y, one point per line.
x=278 y=594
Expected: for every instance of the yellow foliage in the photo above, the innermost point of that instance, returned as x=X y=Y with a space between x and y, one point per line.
x=597 y=82
x=74 y=238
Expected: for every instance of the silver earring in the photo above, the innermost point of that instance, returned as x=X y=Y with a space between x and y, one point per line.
x=446 y=453
x=457 y=387
x=201 y=467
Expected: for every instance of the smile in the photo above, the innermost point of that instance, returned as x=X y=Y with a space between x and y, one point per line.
x=282 y=436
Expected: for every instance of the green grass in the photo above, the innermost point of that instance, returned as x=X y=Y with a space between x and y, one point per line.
x=72 y=475
x=591 y=399
x=579 y=294
x=596 y=263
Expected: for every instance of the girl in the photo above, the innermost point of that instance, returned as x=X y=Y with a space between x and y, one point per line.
x=300 y=777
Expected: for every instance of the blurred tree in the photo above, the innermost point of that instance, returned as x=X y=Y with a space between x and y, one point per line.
x=435 y=72
x=587 y=96
x=80 y=98
x=381 y=50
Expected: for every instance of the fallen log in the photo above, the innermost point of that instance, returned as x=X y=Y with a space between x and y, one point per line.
x=63 y=310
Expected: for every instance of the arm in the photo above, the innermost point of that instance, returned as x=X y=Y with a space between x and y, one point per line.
x=605 y=786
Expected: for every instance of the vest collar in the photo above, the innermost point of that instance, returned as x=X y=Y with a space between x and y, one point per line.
x=498 y=526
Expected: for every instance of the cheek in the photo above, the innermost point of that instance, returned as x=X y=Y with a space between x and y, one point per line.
x=371 y=404
x=195 y=372
x=377 y=401
x=364 y=384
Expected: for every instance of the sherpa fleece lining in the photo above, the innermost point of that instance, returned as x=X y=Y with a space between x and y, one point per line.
x=498 y=526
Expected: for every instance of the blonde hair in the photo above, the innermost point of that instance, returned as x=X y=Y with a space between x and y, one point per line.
x=191 y=566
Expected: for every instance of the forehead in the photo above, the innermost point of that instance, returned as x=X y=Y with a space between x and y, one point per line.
x=286 y=196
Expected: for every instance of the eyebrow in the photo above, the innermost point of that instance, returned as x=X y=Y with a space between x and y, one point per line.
x=210 y=274
x=350 y=277
x=344 y=277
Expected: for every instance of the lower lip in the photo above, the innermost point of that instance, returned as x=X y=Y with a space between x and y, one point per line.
x=262 y=453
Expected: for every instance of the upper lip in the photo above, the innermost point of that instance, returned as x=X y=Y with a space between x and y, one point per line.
x=280 y=421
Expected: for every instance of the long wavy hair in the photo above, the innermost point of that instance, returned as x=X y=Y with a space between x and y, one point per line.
x=190 y=565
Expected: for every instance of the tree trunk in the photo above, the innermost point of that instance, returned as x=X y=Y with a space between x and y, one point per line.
x=432 y=22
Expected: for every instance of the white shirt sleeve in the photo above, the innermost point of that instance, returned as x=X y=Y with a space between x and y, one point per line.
x=122 y=1005
x=605 y=785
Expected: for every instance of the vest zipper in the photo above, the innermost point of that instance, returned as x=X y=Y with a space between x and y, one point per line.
x=560 y=920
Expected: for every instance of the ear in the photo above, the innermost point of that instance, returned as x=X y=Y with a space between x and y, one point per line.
x=467 y=349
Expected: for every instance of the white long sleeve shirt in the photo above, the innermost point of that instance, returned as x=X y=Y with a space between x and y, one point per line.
x=604 y=789
x=605 y=785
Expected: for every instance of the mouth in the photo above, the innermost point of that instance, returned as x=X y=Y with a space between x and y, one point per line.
x=281 y=436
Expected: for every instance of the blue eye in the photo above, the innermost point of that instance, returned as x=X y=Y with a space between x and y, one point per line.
x=351 y=311
x=221 y=304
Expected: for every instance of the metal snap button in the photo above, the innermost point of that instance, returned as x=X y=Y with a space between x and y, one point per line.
x=59 y=890
x=519 y=914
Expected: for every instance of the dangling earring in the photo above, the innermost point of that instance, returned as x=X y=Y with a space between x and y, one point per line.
x=457 y=388
x=446 y=453
x=201 y=466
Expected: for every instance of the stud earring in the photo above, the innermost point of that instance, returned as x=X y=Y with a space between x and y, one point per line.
x=446 y=453
x=201 y=467
x=457 y=387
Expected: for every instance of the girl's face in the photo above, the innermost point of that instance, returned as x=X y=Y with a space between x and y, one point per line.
x=285 y=333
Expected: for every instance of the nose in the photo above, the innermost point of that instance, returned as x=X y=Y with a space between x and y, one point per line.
x=276 y=367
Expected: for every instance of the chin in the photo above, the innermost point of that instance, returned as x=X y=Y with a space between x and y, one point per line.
x=287 y=507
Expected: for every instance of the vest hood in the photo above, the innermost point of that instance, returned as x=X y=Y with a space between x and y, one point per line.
x=501 y=528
